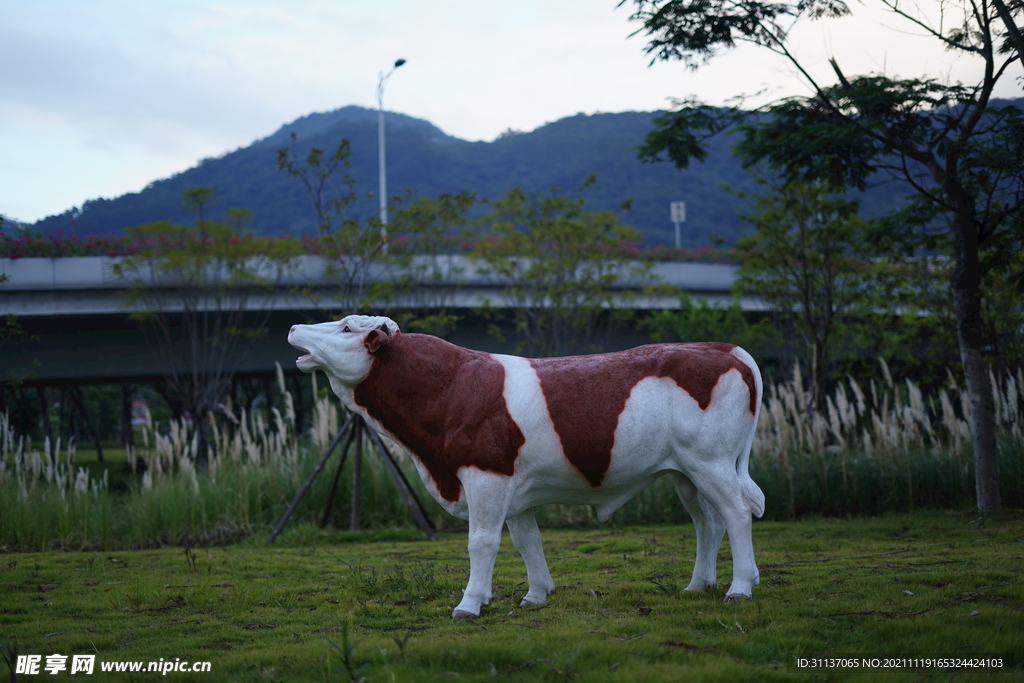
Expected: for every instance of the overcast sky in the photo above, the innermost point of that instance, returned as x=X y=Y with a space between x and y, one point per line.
x=101 y=97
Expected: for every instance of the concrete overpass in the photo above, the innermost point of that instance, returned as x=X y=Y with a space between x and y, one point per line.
x=75 y=312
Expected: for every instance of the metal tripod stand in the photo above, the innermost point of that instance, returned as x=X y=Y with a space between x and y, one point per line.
x=354 y=431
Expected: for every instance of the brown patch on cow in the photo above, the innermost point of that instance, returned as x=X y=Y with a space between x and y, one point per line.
x=586 y=394
x=445 y=404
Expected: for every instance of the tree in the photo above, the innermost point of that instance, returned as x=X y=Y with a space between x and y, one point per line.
x=809 y=262
x=705 y=321
x=958 y=152
x=429 y=235
x=561 y=265
x=192 y=291
x=350 y=246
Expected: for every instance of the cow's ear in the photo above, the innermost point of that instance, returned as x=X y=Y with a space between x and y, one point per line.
x=375 y=340
x=384 y=326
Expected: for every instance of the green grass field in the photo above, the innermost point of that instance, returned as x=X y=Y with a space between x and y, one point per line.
x=925 y=584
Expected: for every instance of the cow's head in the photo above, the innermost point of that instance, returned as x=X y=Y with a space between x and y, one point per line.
x=344 y=350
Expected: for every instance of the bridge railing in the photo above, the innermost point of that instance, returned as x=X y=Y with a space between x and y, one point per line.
x=90 y=284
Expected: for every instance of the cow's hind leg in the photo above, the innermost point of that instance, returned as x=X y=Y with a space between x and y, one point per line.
x=526 y=537
x=723 y=490
x=487 y=499
x=709 y=528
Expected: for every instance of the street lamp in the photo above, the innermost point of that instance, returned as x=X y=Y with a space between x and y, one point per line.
x=380 y=144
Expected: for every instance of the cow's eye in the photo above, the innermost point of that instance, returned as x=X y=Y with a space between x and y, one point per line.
x=346 y=329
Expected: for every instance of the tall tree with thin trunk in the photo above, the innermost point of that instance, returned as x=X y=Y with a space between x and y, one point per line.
x=958 y=152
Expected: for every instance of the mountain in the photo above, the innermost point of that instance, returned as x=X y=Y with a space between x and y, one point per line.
x=425 y=160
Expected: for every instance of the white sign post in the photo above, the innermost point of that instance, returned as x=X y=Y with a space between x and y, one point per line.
x=678 y=210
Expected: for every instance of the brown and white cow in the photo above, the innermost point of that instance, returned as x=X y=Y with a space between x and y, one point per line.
x=494 y=436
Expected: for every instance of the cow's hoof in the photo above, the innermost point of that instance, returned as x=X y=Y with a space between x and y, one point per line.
x=699 y=587
x=736 y=597
x=463 y=614
x=532 y=602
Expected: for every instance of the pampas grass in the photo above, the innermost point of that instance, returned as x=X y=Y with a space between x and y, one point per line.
x=876 y=448
x=883 y=447
x=257 y=464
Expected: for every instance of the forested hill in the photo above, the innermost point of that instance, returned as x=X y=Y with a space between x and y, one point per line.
x=425 y=160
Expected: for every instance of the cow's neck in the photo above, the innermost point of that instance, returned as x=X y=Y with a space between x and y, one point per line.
x=445 y=405
x=406 y=392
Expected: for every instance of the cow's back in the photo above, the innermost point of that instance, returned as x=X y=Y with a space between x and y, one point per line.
x=587 y=395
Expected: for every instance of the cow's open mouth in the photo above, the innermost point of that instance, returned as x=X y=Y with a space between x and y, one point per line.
x=306 y=354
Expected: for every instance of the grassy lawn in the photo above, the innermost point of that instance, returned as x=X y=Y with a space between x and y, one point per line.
x=930 y=584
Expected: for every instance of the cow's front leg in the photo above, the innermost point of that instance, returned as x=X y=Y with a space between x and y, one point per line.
x=487 y=499
x=526 y=538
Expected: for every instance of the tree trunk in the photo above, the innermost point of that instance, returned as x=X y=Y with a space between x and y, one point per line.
x=1012 y=31
x=966 y=285
x=76 y=395
x=201 y=425
x=357 y=481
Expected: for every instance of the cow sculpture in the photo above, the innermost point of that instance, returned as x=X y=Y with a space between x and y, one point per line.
x=493 y=436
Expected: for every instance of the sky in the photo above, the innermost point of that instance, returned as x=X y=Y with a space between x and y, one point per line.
x=103 y=97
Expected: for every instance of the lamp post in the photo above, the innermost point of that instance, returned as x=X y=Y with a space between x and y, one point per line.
x=380 y=144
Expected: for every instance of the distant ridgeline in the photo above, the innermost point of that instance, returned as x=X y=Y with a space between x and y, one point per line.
x=423 y=159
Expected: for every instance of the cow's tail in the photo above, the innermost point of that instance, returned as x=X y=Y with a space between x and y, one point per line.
x=752 y=494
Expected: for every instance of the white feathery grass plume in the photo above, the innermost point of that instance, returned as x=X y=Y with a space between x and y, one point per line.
x=965 y=404
x=834 y=420
x=282 y=429
x=847 y=411
x=885 y=371
x=917 y=409
x=867 y=445
x=798 y=388
x=82 y=481
x=48 y=465
x=186 y=468
x=997 y=398
x=289 y=402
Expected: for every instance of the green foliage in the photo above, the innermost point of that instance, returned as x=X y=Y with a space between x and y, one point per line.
x=703 y=321
x=317 y=175
x=351 y=246
x=426 y=236
x=196 y=199
x=1002 y=297
x=562 y=266
x=808 y=261
x=696 y=32
x=684 y=134
x=346 y=649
